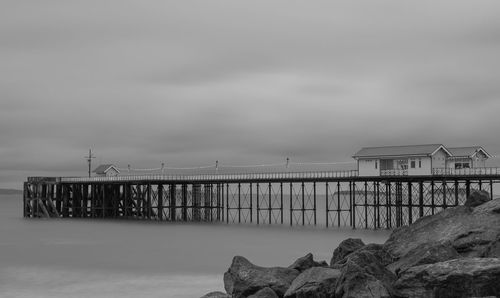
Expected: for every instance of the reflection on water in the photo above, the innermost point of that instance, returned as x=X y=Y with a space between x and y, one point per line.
x=97 y=258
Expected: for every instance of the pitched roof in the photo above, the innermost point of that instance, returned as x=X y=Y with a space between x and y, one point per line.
x=102 y=169
x=421 y=150
x=467 y=151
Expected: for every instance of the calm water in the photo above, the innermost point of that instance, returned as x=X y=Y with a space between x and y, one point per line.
x=97 y=258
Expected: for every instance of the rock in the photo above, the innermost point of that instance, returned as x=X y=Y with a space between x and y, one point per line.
x=490 y=207
x=466 y=277
x=314 y=282
x=307 y=262
x=356 y=282
x=363 y=275
x=244 y=278
x=346 y=247
x=378 y=250
x=476 y=198
x=426 y=253
x=493 y=250
x=469 y=230
x=216 y=295
x=474 y=243
x=264 y=293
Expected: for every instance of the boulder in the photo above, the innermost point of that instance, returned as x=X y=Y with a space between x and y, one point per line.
x=469 y=230
x=264 y=293
x=355 y=282
x=216 y=295
x=476 y=198
x=493 y=250
x=363 y=275
x=244 y=278
x=378 y=250
x=345 y=248
x=426 y=253
x=466 y=277
x=316 y=282
x=306 y=262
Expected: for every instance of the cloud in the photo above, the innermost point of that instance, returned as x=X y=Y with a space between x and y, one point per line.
x=190 y=83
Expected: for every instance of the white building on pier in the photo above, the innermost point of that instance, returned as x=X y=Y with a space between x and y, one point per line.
x=417 y=159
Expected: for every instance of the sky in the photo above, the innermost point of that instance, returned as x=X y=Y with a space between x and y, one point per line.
x=242 y=82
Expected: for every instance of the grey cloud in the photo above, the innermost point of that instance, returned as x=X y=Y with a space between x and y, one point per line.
x=189 y=83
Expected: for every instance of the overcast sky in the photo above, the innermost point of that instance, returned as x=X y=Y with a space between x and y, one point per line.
x=242 y=82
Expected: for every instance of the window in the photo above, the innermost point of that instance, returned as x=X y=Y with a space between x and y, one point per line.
x=462 y=165
x=412 y=164
x=376 y=165
x=419 y=163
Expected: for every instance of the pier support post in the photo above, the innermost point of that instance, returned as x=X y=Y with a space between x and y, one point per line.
x=270 y=203
x=251 y=202
x=207 y=195
x=160 y=201
x=281 y=203
x=303 y=206
x=291 y=204
x=326 y=204
x=173 y=202
x=354 y=205
x=184 y=202
x=196 y=196
x=445 y=204
x=410 y=204
x=338 y=204
x=467 y=188
x=258 y=204
x=314 y=202
x=239 y=202
x=366 y=205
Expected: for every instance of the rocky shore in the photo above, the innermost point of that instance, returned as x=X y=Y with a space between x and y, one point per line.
x=454 y=253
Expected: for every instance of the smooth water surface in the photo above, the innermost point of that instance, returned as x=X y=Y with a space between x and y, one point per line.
x=104 y=258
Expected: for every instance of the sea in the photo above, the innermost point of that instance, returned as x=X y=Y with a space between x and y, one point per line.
x=119 y=258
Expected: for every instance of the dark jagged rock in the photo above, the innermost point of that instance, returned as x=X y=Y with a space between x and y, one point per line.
x=466 y=277
x=378 y=250
x=244 y=278
x=493 y=250
x=216 y=295
x=363 y=275
x=426 y=229
x=469 y=230
x=426 y=253
x=264 y=293
x=476 y=198
x=316 y=282
x=482 y=230
x=306 y=262
x=345 y=248
x=355 y=282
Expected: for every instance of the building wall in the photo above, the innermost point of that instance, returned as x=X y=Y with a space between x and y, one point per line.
x=422 y=166
x=479 y=160
x=439 y=159
x=111 y=173
x=369 y=167
x=452 y=161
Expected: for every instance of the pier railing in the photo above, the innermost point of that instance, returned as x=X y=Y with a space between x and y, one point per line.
x=225 y=177
x=465 y=171
x=266 y=176
x=394 y=172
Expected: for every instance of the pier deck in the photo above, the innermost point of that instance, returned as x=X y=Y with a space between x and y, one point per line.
x=305 y=198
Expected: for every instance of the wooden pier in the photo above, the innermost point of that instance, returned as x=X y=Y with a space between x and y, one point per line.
x=327 y=199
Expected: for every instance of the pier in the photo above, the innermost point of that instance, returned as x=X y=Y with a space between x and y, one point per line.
x=327 y=199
